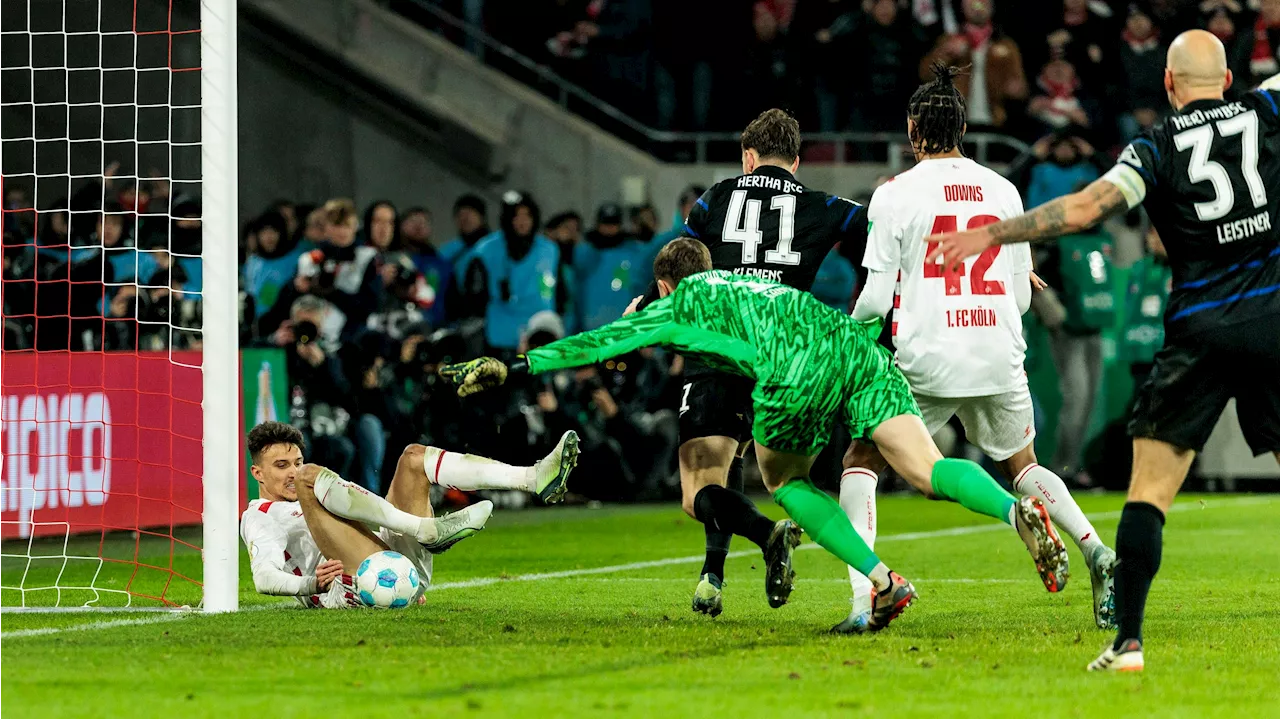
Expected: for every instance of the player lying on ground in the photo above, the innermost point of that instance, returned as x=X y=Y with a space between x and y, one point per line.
x=311 y=528
x=763 y=223
x=812 y=366
x=1210 y=177
x=958 y=335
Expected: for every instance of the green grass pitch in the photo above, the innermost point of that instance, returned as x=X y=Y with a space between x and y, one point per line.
x=516 y=627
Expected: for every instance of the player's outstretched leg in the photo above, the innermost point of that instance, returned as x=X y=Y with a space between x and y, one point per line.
x=906 y=445
x=547 y=478
x=707 y=461
x=1030 y=479
x=863 y=465
x=821 y=516
x=1159 y=469
x=351 y=501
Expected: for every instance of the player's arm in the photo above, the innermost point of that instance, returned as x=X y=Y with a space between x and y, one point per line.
x=652 y=326
x=266 y=544
x=1066 y=215
x=882 y=259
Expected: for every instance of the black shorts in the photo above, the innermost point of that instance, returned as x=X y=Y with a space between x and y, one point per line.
x=716 y=405
x=1193 y=378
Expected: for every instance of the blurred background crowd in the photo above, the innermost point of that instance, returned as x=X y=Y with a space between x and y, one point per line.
x=367 y=301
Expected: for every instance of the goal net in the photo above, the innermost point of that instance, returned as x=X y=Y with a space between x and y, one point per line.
x=118 y=362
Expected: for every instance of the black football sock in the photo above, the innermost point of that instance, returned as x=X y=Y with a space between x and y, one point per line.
x=717 y=541
x=1138 y=547
x=732 y=512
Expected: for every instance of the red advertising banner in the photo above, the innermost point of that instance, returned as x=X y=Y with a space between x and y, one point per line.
x=97 y=441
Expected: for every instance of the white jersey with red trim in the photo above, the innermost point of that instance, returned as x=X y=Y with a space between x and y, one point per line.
x=957 y=334
x=282 y=554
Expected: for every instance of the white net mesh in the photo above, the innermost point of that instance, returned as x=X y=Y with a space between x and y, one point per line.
x=102 y=387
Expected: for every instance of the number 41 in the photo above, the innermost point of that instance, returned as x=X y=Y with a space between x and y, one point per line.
x=977 y=284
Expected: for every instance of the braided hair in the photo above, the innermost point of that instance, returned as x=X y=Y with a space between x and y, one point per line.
x=938 y=110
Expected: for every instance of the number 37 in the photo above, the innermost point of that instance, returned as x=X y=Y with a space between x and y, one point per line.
x=978 y=285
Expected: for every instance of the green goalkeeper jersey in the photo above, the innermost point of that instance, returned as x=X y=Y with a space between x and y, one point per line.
x=769 y=332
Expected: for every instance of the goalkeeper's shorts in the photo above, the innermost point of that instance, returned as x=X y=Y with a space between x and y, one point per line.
x=799 y=418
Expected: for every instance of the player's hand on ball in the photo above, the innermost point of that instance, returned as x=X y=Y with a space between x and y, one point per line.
x=475 y=375
x=327 y=572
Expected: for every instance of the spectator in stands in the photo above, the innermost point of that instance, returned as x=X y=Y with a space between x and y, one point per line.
x=289 y=211
x=53 y=230
x=820 y=40
x=836 y=281
x=644 y=223
x=766 y=60
x=510 y=275
x=684 y=205
x=19 y=296
x=317 y=224
x=186 y=240
x=1141 y=95
x=1058 y=105
x=618 y=53
x=339 y=270
x=887 y=46
x=273 y=262
x=320 y=391
x=120 y=328
x=470 y=217
x=1082 y=37
x=1265 y=58
x=368 y=358
x=1150 y=281
x=380 y=228
x=607 y=268
x=1065 y=163
x=415 y=231
x=683 y=71
x=995 y=79
x=565 y=229
x=1232 y=28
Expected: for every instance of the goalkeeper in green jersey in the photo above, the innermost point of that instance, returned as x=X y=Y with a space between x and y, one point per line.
x=812 y=366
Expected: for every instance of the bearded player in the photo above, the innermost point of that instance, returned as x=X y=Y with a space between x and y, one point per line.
x=311 y=527
x=811 y=366
x=958 y=334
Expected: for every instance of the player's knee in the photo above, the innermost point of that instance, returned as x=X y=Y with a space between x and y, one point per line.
x=864 y=455
x=412 y=457
x=687 y=504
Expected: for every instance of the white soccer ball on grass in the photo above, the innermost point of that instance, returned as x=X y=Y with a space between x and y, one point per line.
x=388 y=580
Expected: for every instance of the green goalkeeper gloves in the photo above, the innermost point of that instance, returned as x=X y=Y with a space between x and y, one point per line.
x=475 y=375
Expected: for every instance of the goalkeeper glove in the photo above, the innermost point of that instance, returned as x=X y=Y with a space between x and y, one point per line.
x=475 y=375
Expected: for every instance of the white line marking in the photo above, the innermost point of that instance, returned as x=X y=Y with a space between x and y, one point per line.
x=693 y=559
x=92 y=625
x=540 y=576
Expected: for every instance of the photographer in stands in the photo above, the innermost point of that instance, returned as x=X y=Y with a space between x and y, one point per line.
x=319 y=392
x=340 y=271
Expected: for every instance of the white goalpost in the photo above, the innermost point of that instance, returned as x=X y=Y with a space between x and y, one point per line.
x=119 y=365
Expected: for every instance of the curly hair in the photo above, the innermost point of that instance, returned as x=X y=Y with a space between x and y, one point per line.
x=938 y=110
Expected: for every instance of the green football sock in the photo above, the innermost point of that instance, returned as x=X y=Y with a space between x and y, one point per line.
x=962 y=481
x=824 y=520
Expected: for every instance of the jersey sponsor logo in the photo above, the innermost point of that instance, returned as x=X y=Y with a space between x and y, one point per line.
x=962 y=193
x=1200 y=117
x=770 y=183
x=1244 y=229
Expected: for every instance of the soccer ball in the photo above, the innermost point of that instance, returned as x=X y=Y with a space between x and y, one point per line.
x=387 y=580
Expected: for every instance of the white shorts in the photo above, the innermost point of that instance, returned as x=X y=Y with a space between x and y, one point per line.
x=1000 y=424
x=342 y=593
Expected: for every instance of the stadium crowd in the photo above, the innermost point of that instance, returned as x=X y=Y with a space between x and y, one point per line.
x=366 y=302
x=1033 y=66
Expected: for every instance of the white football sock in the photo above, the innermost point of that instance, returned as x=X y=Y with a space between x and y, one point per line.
x=351 y=501
x=858 y=499
x=470 y=472
x=1036 y=481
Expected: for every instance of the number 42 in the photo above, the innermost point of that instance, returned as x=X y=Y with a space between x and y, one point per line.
x=978 y=285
